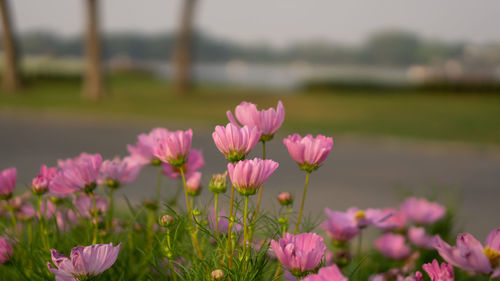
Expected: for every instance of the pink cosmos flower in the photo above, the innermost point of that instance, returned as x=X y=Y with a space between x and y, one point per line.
x=8 y=178
x=470 y=255
x=267 y=121
x=439 y=273
x=394 y=220
x=194 y=163
x=340 y=226
x=78 y=174
x=173 y=147
x=41 y=182
x=235 y=142
x=417 y=276
x=142 y=152
x=65 y=219
x=248 y=176
x=420 y=239
x=116 y=172
x=193 y=184
x=421 y=211
x=26 y=212
x=393 y=246
x=300 y=253
x=6 y=250
x=85 y=205
x=223 y=223
x=330 y=273
x=308 y=152
x=84 y=262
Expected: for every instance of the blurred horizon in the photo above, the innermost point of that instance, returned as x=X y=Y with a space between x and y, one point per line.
x=339 y=21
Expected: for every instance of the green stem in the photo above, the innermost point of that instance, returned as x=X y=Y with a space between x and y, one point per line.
x=360 y=244
x=259 y=198
x=245 y=228
x=94 y=213
x=158 y=185
x=41 y=222
x=194 y=237
x=30 y=233
x=229 y=231
x=288 y=211
x=264 y=150
x=111 y=208
x=13 y=217
x=302 y=204
x=216 y=215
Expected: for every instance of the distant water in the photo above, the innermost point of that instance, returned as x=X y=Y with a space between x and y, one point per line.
x=283 y=76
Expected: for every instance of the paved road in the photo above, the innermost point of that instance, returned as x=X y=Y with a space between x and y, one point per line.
x=361 y=172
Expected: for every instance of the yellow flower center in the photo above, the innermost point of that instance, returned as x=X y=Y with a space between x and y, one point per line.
x=359 y=215
x=493 y=255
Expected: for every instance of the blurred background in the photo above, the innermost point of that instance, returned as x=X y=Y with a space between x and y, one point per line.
x=410 y=90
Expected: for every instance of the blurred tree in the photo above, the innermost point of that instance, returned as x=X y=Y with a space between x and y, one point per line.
x=93 y=82
x=11 y=78
x=392 y=47
x=182 y=51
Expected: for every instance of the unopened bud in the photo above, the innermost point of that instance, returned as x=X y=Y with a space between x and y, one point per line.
x=217 y=274
x=166 y=220
x=218 y=183
x=150 y=205
x=196 y=212
x=285 y=198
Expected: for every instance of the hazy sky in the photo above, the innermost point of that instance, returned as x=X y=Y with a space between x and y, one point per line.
x=277 y=21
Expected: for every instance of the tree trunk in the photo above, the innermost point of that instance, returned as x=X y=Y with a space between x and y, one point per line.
x=92 y=88
x=182 y=52
x=11 y=79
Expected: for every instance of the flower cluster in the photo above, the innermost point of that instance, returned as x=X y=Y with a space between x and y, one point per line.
x=228 y=238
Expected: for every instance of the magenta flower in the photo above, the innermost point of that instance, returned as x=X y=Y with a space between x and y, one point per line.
x=85 y=206
x=65 y=219
x=142 y=152
x=8 y=178
x=223 y=223
x=235 y=142
x=393 y=246
x=301 y=253
x=173 y=147
x=391 y=220
x=6 y=250
x=84 y=262
x=421 y=211
x=420 y=238
x=330 y=273
x=439 y=273
x=194 y=163
x=78 y=174
x=470 y=255
x=340 y=226
x=267 y=121
x=308 y=152
x=40 y=184
x=193 y=184
x=116 y=172
x=248 y=176
x=26 y=212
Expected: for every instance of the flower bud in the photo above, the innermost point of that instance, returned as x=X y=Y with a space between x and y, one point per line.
x=113 y=184
x=285 y=198
x=166 y=220
x=39 y=185
x=193 y=185
x=282 y=220
x=218 y=183
x=150 y=205
x=196 y=212
x=217 y=274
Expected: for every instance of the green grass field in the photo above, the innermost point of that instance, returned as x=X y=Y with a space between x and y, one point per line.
x=431 y=116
